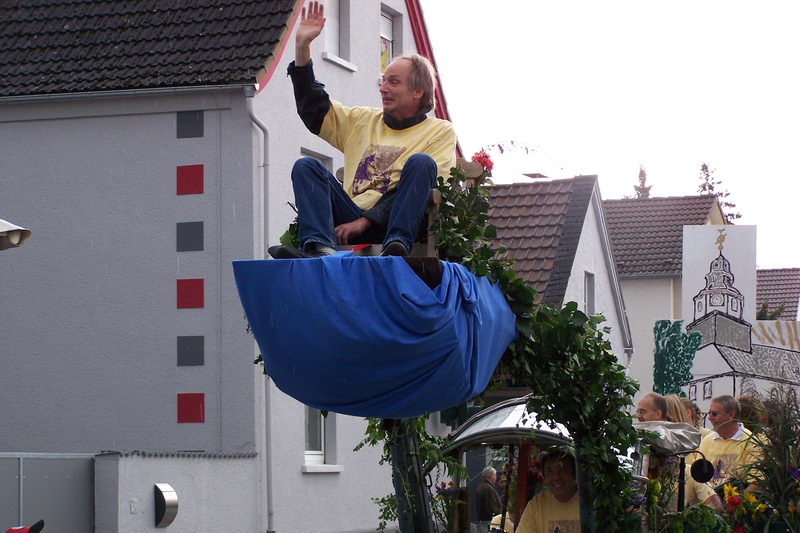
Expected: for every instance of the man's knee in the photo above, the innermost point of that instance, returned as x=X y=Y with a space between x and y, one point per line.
x=306 y=167
x=422 y=167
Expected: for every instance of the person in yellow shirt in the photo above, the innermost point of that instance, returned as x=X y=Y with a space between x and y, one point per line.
x=728 y=447
x=555 y=508
x=392 y=155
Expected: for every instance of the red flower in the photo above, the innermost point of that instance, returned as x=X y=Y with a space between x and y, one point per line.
x=739 y=529
x=733 y=502
x=483 y=159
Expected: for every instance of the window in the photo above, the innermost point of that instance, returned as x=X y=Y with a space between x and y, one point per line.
x=315 y=436
x=588 y=293
x=337 y=34
x=387 y=40
x=707 y=390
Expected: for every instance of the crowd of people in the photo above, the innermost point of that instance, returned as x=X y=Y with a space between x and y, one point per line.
x=725 y=444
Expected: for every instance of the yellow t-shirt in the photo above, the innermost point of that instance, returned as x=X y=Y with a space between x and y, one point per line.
x=730 y=457
x=545 y=514
x=374 y=154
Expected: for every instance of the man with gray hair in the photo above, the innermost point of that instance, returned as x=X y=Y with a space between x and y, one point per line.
x=392 y=156
x=728 y=447
x=487 y=501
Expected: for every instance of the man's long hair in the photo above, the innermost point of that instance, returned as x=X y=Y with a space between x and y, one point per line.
x=422 y=76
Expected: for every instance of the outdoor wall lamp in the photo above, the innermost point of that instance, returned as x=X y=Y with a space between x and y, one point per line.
x=166 y=504
x=12 y=236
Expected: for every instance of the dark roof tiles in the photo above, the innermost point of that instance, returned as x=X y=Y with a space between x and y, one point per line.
x=777 y=286
x=647 y=233
x=67 y=46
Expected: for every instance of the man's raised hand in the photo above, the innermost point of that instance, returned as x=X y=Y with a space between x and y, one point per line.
x=311 y=22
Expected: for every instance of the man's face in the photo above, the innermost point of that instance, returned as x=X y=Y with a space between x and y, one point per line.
x=718 y=416
x=559 y=478
x=492 y=478
x=646 y=410
x=399 y=100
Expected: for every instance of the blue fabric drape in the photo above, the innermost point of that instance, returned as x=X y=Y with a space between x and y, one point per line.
x=365 y=336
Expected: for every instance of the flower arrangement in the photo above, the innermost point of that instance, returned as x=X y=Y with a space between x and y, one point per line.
x=744 y=511
x=445 y=503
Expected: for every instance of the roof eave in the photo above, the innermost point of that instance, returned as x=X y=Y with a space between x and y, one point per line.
x=124 y=93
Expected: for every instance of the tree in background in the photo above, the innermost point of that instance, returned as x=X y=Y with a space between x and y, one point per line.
x=674 y=355
x=710 y=184
x=764 y=313
x=642 y=190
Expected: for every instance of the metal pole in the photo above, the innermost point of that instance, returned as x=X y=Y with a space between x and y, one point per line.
x=681 y=482
x=508 y=486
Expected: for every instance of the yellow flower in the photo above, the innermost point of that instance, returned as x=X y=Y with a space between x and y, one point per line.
x=749 y=497
x=730 y=490
x=791 y=507
x=761 y=508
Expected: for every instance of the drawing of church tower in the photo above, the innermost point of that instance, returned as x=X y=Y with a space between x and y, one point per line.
x=718 y=307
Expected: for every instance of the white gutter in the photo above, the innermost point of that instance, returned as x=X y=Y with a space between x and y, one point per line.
x=260 y=235
x=124 y=93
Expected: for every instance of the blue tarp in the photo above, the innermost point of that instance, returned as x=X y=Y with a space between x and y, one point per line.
x=366 y=336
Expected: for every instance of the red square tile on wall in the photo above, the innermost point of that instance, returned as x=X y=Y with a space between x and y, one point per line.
x=191 y=408
x=190 y=179
x=191 y=293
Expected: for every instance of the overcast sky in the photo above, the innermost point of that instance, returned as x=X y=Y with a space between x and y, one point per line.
x=603 y=87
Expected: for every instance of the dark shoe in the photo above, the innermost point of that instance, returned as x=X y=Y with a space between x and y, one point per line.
x=287 y=252
x=395 y=248
x=290 y=252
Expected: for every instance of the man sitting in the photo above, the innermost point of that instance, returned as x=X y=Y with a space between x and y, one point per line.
x=391 y=156
x=555 y=508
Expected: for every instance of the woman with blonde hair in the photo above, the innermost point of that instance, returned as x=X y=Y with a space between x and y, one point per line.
x=675 y=410
x=694 y=415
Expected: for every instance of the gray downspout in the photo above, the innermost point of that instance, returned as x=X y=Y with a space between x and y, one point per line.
x=259 y=251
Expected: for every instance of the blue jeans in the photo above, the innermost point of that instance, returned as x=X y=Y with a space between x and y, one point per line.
x=322 y=203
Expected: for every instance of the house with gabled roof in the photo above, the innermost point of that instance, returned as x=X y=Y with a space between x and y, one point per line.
x=556 y=233
x=647 y=239
x=148 y=144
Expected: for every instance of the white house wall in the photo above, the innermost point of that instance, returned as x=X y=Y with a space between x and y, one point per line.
x=647 y=301
x=90 y=320
x=590 y=256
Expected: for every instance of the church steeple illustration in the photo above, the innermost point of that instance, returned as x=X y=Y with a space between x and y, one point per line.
x=719 y=294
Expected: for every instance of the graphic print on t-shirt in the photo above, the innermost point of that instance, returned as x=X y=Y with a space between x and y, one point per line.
x=724 y=467
x=374 y=169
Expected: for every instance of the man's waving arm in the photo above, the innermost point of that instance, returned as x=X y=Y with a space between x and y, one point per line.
x=312 y=101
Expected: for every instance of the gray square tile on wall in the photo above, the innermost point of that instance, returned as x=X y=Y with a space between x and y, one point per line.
x=191 y=350
x=190 y=124
x=189 y=236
